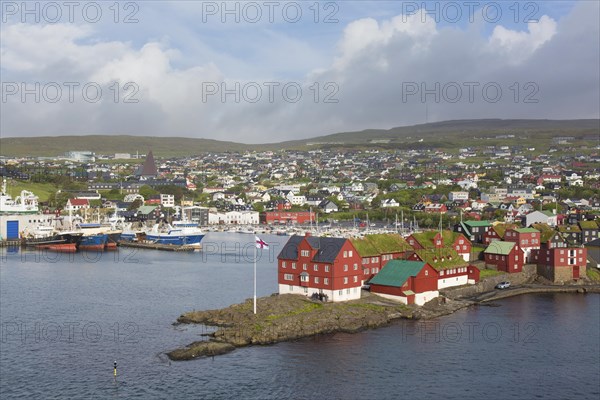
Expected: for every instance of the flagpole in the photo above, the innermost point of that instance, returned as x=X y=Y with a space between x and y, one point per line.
x=255 y=277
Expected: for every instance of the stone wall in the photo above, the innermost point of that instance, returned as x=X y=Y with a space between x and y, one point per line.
x=528 y=275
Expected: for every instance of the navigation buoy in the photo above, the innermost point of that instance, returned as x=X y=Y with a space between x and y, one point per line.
x=115 y=369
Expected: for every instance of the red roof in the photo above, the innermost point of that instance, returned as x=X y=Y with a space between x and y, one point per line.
x=79 y=202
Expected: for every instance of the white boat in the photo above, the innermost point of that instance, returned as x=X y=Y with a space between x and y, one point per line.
x=180 y=233
x=26 y=203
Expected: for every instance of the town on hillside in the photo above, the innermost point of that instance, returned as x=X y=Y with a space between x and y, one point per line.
x=407 y=223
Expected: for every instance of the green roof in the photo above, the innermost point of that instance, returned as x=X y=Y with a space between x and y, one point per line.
x=588 y=224
x=548 y=213
x=526 y=230
x=501 y=228
x=569 y=228
x=146 y=209
x=396 y=273
x=425 y=239
x=547 y=235
x=382 y=243
x=477 y=223
x=499 y=247
x=434 y=257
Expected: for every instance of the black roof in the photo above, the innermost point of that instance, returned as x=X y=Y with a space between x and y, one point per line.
x=328 y=248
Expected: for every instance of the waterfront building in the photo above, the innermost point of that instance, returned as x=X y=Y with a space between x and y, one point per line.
x=409 y=282
x=327 y=266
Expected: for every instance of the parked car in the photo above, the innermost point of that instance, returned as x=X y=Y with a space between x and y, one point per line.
x=503 y=285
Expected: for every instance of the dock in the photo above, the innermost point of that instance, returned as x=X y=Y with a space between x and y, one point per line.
x=12 y=243
x=157 y=246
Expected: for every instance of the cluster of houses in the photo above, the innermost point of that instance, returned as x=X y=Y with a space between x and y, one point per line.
x=409 y=270
x=412 y=270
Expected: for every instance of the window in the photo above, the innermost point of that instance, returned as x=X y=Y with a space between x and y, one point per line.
x=316 y=279
x=345 y=279
x=283 y=264
x=304 y=267
x=464 y=247
x=345 y=254
x=305 y=253
x=426 y=273
x=288 y=277
x=316 y=267
x=327 y=268
x=293 y=265
x=355 y=279
x=346 y=267
x=365 y=260
x=442 y=273
x=326 y=281
x=347 y=291
x=304 y=278
x=305 y=290
x=291 y=288
x=350 y=253
x=355 y=267
x=341 y=292
x=366 y=271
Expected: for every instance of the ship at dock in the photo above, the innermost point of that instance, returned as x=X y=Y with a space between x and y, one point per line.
x=26 y=203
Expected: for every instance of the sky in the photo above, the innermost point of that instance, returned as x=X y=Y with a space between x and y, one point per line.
x=269 y=71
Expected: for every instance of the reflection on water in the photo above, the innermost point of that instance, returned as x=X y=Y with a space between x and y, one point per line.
x=64 y=322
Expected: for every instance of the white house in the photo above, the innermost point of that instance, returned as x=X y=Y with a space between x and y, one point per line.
x=458 y=196
x=389 y=203
x=167 y=200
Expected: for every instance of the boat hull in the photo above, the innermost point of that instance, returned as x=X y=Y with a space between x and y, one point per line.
x=94 y=242
x=176 y=240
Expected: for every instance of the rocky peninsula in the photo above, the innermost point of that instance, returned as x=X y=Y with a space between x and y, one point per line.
x=290 y=317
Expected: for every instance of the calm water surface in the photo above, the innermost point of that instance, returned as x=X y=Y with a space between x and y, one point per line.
x=64 y=321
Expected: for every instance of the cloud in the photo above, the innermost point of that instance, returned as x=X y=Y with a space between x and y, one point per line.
x=362 y=85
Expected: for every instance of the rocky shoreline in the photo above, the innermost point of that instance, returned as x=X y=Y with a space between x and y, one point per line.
x=288 y=317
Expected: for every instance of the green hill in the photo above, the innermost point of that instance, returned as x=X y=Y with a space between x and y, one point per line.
x=447 y=135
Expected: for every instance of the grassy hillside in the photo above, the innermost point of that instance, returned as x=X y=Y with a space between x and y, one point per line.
x=103 y=144
x=445 y=135
x=42 y=190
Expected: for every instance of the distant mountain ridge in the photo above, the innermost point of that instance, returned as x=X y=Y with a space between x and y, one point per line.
x=445 y=134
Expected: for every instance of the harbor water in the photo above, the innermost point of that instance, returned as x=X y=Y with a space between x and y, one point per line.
x=65 y=318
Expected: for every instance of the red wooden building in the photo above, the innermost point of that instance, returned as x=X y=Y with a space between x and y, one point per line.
x=323 y=265
x=409 y=282
x=451 y=268
x=288 y=217
x=496 y=232
x=557 y=260
x=504 y=256
x=376 y=250
x=445 y=239
x=527 y=239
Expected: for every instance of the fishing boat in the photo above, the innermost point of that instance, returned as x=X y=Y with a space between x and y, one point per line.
x=60 y=242
x=93 y=241
x=26 y=203
x=180 y=233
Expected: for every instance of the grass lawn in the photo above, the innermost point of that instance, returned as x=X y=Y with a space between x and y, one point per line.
x=486 y=273
x=593 y=274
x=42 y=190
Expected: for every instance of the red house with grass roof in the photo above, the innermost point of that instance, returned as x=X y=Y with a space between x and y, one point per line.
x=440 y=240
x=376 y=250
x=409 y=282
x=496 y=232
x=452 y=269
